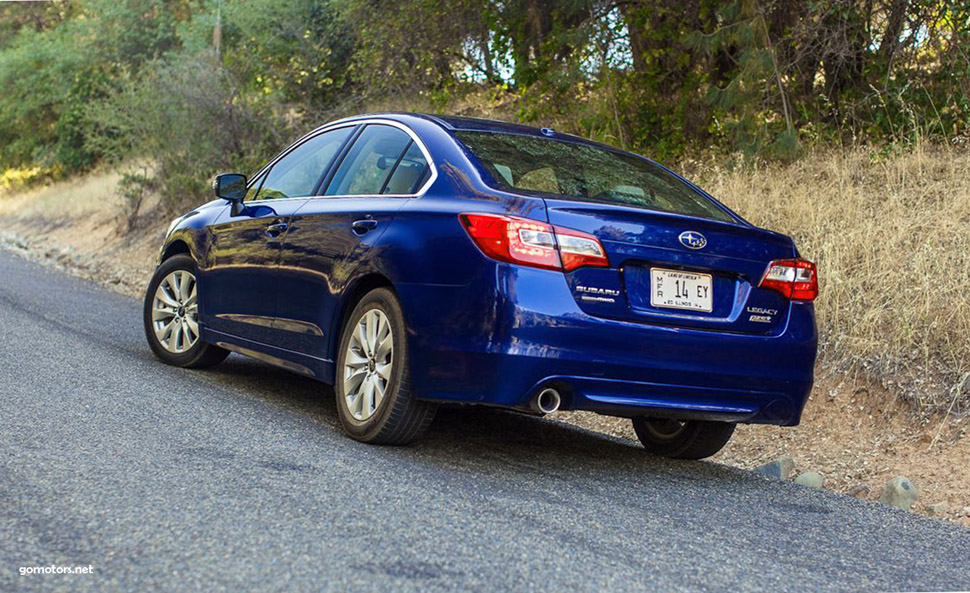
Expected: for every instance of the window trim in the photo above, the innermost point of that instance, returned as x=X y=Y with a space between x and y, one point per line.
x=360 y=123
x=265 y=170
x=257 y=182
x=397 y=164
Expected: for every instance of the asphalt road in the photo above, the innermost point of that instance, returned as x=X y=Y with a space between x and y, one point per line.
x=238 y=479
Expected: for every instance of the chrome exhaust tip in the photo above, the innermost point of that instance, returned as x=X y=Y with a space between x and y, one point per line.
x=547 y=401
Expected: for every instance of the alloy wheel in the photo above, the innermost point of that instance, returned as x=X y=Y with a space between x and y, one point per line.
x=175 y=312
x=368 y=363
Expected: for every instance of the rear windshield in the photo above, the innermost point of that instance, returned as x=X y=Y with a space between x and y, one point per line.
x=579 y=171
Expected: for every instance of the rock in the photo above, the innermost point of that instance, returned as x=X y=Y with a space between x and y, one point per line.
x=810 y=479
x=779 y=469
x=860 y=491
x=937 y=508
x=899 y=493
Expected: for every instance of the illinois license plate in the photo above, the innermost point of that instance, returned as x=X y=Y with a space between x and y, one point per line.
x=675 y=289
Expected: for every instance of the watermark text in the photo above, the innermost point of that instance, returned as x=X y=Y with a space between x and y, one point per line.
x=56 y=569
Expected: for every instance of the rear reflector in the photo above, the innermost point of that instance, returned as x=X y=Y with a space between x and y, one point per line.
x=796 y=279
x=532 y=243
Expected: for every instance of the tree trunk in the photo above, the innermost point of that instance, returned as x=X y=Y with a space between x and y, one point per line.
x=894 y=27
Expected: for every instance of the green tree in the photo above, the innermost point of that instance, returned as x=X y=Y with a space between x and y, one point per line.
x=57 y=67
x=296 y=49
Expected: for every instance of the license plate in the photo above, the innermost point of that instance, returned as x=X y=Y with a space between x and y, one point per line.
x=674 y=289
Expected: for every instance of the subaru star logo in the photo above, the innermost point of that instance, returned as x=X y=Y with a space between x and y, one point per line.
x=693 y=240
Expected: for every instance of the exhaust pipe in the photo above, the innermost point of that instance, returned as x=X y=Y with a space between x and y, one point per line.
x=547 y=401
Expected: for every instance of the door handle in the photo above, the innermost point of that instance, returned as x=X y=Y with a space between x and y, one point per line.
x=362 y=226
x=275 y=230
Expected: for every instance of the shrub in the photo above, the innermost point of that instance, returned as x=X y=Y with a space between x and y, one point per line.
x=188 y=120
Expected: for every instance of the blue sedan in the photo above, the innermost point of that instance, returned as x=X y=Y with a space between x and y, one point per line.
x=413 y=261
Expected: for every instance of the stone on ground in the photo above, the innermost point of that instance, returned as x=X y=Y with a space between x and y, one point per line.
x=899 y=493
x=810 y=479
x=779 y=469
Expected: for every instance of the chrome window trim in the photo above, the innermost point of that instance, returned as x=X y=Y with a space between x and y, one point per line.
x=288 y=150
x=344 y=124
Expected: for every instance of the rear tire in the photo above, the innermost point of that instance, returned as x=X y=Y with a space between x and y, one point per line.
x=680 y=439
x=372 y=379
x=171 y=317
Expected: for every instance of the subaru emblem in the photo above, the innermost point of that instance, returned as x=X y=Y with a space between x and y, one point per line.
x=693 y=240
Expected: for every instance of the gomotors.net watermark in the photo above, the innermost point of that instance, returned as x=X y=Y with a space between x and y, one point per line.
x=56 y=569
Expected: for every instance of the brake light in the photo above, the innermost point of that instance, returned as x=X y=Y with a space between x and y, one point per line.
x=796 y=279
x=532 y=243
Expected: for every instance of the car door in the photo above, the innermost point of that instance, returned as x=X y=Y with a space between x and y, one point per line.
x=332 y=234
x=239 y=273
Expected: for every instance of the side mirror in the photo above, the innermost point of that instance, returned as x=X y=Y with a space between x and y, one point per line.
x=230 y=187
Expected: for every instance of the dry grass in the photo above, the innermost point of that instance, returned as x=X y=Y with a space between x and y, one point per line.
x=78 y=225
x=90 y=195
x=891 y=236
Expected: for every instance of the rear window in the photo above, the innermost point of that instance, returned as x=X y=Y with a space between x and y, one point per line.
x=577 y=171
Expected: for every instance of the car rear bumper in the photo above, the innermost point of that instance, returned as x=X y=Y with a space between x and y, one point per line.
x=500 y=342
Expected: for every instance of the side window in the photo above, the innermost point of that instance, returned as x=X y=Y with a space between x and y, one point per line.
x=369 y=163
x=296 y=175
x=410 y=173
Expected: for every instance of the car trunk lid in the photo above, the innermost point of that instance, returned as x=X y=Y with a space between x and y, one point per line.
x=676 y=270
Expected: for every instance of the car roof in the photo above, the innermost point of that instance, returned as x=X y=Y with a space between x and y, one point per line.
x=453 y=123
x=478 y=124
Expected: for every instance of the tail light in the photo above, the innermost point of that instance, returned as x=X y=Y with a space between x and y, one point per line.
x=532 y=243
x=796 y=279
x=579 y=249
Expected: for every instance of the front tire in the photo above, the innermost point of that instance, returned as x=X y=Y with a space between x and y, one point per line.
x=171 y=317
x=682 y=439
x=373 y=379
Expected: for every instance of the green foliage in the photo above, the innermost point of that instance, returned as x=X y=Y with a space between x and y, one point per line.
x=133 y=188
x=297 y=50
x=413 y=47
x=51 y=72
x=39 y=71
x=37 y=16
x=188 y=119
x=763 y=78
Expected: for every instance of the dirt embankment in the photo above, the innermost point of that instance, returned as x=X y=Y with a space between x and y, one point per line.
x=855 y=432
x=78 y=226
